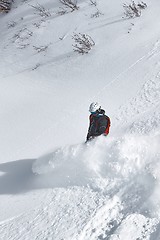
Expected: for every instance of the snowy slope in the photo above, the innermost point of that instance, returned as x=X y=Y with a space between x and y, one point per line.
x=50 y=188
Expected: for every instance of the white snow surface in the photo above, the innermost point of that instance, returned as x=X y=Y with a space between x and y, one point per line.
x=53 y=185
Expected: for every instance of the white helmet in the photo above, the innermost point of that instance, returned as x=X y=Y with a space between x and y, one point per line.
x=94 y=107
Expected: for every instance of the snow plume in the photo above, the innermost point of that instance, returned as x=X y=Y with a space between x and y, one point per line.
x=105 y=164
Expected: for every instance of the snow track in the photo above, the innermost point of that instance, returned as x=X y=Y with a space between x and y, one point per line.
x=61 y=216
x=104 y=221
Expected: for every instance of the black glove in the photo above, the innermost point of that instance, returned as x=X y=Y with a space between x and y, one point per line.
x=89 y=137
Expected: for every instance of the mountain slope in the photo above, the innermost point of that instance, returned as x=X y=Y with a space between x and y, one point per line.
x=50 y=188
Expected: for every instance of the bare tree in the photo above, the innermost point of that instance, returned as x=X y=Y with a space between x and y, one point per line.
x=38 y=23
x=133 y=10
x=12 y=24
x=142 y=5
x=93 y=2
x=83 y=43
x=72 y=4
x=41 y=48
x=96 y=14
x=62 y=11
x=36 y=66
x=42 y=11
x=21 y=38
x=5 y=5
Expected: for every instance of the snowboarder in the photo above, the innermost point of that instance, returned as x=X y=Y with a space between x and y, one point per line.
x=99 y=122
